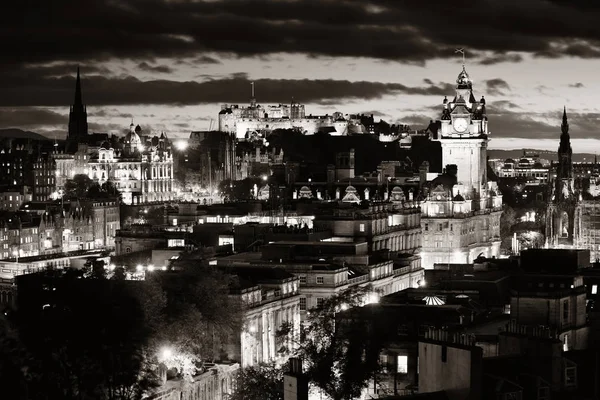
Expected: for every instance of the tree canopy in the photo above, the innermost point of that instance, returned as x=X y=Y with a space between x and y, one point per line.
x=340 y=355
x=259 y=382
x=79 y=335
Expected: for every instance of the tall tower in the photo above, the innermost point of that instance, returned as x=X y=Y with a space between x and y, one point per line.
x=78 y=126
x=464 y=136
x=560 y=226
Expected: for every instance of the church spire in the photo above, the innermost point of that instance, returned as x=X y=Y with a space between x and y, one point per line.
x=78 y=126
x=78 y=100
x=564 y=127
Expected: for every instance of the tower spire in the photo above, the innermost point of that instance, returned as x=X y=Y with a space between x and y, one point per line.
x=564 y=127
x=78 y=100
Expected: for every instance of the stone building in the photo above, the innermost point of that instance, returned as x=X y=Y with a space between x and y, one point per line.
x=571 y=220
x=248 y=122
x=461 y=207
x=139 y=165
x=271 y=298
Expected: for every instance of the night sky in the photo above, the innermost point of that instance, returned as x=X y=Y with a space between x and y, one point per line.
x=169 y=64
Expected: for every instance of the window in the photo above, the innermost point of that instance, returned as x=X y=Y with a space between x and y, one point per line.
x=565 y=310
x=319 y=302
x=319 y=280
x=426 y=227
x=543 y=393
x=303 y=281
x=383 y=361
x=594 y=289
x=570 y=376
x=361 y=227
x=444 y=353
x=402 y=367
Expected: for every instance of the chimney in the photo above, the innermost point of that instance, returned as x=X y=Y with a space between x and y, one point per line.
x=295 y=383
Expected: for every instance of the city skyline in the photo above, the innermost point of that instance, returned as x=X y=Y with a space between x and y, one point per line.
x=172 y=73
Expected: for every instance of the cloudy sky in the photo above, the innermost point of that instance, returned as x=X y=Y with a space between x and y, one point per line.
x=170 y=64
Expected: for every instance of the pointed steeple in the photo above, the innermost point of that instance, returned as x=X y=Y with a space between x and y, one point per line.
x=78 y=100
x=564 y=127
x=78 y=126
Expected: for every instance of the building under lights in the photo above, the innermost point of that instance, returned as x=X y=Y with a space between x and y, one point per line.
x=461 y=208
x=571 y=221
x=139 y=165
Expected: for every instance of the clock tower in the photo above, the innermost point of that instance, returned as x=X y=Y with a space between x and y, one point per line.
x=464 y=136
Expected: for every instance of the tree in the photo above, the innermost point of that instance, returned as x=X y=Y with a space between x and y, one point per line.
x=88 y=338
x=340 y=356
x=78 y=186
x=259 y=382
x=14 y=361
x=200 y=317
x=107 y=190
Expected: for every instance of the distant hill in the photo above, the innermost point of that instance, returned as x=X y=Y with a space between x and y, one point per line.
x=20 y=134
x=548 y=155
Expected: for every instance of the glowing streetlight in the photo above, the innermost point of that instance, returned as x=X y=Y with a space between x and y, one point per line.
x=264 y=178
x=166 y=353
x=139 y=268
x=181 y=145
x=151 y=267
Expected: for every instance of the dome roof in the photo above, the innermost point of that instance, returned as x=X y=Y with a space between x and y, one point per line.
x=509 y=160
x=106 y=145
x=133 y=138
x=350 y=189
x=458 y=197
x=463 y=78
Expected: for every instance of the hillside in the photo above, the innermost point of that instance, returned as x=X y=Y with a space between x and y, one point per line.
x=20 y=134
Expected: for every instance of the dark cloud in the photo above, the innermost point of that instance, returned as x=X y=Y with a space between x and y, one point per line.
x=500 y=58
x=576 y=85
x=19 y=90
x=497 y=87
x=163 y=69
x=408 y=31
x=30 y=118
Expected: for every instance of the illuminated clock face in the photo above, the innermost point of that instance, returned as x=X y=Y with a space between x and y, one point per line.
x=460 y=125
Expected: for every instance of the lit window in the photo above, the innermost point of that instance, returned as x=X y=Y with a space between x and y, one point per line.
x=402 y=365
x=594 y=289
x=361 y=227
x=302 y=303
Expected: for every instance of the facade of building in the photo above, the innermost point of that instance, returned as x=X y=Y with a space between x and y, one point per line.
x=140 y=166
x=395 y=226
x=529 y=168
x=271 y=298
x=461 y=208
x=143 y=173
x=44 y=177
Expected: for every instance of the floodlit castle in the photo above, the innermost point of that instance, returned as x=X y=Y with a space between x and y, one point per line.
x=461 y=207
x=246 y=122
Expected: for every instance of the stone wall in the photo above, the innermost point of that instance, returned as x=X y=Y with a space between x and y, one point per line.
x=215 y=384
